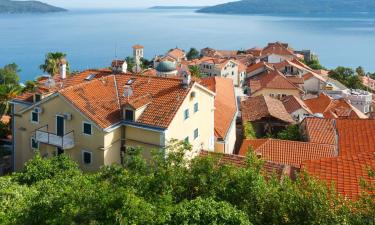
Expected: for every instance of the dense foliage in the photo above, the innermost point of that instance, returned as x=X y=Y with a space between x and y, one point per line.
x=249 y=131
x=347 y=77
x=291 y=133
x=51 y=63
x=192 y=54
x=169 y=191
x=9 y=86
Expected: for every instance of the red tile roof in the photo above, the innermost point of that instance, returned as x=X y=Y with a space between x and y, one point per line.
x=225 y=103
x=344 y=172
x=277 y=48
x=293 y=103
x=176 y=53
x=271 y=79
x=259 y=107
x=291 y=153
x=102 y=99
x=318 y=130
x=333 y=108
x=72 y=79
x=355 y=136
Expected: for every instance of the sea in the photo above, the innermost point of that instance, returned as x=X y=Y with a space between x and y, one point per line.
x=93 y=38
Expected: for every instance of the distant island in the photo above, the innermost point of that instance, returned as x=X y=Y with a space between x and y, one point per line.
x=8 y=6
x=294 y=7
x=177 y=7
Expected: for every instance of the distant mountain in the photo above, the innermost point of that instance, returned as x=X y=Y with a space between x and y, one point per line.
x=7 y=6
x=177 y=7
x=290 y=7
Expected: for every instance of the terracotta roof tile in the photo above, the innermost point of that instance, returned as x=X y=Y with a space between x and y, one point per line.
x=333 y=108
x=345 y=172
x=271 y=79
x=256 y=108
x=225 y=103
x=320 y=130
x=291 y=153
x=355 y=136
x=277 y=48
x=102 y=99
x=293 y=103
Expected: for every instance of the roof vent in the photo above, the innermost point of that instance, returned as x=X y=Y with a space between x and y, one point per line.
x=128 y=91
x=90 y=77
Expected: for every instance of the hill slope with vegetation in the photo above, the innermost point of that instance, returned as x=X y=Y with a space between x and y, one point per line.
x=7 y=6
x=299 y=7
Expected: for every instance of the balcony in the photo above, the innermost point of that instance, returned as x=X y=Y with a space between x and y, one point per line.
x=65 y=142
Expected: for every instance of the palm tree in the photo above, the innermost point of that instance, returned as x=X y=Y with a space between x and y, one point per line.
x=7 y=93
x=195 y=71
x=52 y=62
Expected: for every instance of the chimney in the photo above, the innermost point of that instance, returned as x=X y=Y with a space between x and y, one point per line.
x=186 y=79
x=63 y=68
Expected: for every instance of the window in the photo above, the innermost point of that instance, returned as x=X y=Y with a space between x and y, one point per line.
x=34 y=117
x=86 y=157
x=186 y=114
x=232 y=73
x=38 y=97
x=34 y=144
x=87 y=128
x=129 y=115
x=186 y=140
x=196 y=133
x=196 y=107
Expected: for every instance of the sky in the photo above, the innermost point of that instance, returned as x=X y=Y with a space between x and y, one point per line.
x=129 y=3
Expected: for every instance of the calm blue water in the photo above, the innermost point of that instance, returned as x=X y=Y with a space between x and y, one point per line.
x=91 y=37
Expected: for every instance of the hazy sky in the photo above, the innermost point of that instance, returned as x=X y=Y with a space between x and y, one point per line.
x=128 y=3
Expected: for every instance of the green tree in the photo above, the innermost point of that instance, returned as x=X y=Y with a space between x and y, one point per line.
x=314 y=64
x=30 y=85
x=192 y=54
x=7 y=93
x=208 y=211
x=195 y=71
x=360 y=71
x=9 y=74
x=52 y=62
x=291 y=133
x=348 y=77
x=249 y=131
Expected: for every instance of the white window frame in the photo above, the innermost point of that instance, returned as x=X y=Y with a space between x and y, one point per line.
x=83 y=128
x=31 y=117
x=31 y=143
x=83 y=157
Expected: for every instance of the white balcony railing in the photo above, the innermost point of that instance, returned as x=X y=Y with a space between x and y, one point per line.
x=65 y=142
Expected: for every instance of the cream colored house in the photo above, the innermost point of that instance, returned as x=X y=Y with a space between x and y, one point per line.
x=94 y=117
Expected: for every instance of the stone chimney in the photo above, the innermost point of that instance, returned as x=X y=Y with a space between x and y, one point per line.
x=62 y=64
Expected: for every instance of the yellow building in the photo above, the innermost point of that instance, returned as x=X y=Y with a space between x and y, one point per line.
x=95 y=116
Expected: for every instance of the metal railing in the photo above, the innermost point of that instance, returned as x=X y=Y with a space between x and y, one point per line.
x=65 y=142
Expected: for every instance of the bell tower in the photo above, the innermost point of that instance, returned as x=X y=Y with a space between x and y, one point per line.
x=138 y=55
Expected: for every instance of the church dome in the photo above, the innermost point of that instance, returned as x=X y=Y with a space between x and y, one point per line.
x=166 y=66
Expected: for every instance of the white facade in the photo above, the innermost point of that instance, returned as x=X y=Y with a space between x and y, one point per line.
x=359 y=98
x=313 y=85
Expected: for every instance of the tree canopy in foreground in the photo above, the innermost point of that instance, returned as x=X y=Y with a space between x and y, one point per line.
x=170 y=191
